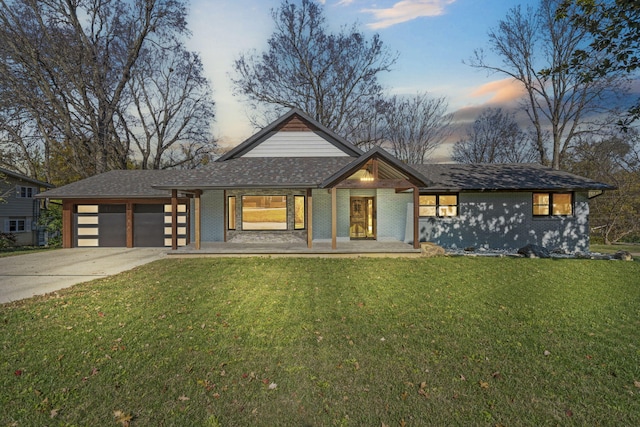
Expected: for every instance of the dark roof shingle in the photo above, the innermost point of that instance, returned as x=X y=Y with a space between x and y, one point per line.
x=511 y=176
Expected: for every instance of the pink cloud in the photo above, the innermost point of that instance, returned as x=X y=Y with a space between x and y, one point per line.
x=500 y=91
x=406 y=10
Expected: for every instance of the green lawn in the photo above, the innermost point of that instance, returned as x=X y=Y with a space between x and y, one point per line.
x=611 y=249
x=21 y=250
x=324 y=342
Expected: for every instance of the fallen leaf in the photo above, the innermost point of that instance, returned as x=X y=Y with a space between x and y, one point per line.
x=53 y=413
x=637 y=384
x=183 y=398
x=18 y=372
x=273 y=386
x=496 y=375
x=122 y=418
x=569 y=413
x=547 y=353
x=483 y=384
x=462 y=377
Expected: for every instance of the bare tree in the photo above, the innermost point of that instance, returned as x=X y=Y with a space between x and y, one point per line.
x=535 y=49
x=172 y=110
x=494 y=137
x=331 y=76
x=615 y=215
x=66 y=65
x=416 y=126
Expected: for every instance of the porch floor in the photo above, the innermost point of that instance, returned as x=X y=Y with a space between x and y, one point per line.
x=354 y=248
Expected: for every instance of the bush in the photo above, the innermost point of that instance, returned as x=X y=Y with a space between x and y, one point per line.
x=7 y=240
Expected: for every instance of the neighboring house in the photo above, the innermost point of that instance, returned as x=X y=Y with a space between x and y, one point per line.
x=296 y=181
x=19 y=209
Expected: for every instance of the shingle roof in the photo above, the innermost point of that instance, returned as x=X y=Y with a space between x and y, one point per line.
x=252 y=172
x=513 y=176
x=22 y=177
x=116 y=184
x=312 y=172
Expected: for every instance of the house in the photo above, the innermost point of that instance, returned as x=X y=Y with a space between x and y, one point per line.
x=298 y=182
x=19 y=209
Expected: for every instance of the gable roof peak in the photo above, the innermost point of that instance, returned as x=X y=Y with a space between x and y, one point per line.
x=312 y=125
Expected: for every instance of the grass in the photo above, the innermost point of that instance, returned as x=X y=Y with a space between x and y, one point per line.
x=611 y=249
x=21 y=250
x=324 y=342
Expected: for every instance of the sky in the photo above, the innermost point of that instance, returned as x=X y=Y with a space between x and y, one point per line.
x=432 y=38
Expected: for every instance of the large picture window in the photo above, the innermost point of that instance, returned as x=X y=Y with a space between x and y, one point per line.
x=439 y=205
x=556 y=204
x=264 y=212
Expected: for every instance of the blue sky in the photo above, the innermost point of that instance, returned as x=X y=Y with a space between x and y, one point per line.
x=432 y=37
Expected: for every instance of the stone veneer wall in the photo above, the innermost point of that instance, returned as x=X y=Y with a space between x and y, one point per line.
x=505 y=221
x=271 y=236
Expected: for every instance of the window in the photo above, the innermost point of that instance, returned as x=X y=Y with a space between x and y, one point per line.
x=557 y=204
x=231 y=212
x=299 y=204
x=440 y=205
x=17 y=226
x=264 y=212
x=25 y=192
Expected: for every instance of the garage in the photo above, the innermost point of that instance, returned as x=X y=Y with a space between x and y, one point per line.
x=107 y=225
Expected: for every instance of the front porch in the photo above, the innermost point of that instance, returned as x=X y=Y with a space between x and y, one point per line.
x=354 y=248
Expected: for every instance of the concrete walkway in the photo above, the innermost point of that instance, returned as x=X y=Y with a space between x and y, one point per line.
x=353 y=248
x=23 y=276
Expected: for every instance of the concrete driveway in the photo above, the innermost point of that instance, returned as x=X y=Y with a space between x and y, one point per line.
x=23 y=276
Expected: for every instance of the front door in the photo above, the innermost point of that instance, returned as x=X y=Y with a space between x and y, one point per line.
x=363 y=218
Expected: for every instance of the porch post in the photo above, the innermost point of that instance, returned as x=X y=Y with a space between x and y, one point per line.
x=198 y=218
x=416 y=218
x=67 y=224
x=130 y=224
x=225 y=215
x=334 y=218
x=309 y=212
x=174 y=219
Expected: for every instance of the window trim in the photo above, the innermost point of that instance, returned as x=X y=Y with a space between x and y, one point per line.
x=438 y=205
x=29 y=192
x=551 y=195
x=16 y=227
x=231 y=212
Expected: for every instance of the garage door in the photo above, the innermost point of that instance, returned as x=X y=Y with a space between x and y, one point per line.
x=101 y=225
x=106 y=225
x=148 y=226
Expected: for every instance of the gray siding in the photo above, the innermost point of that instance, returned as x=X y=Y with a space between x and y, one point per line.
x=12 y=207
x=505 y=221
x=391 y=213
x=295 y=144
x=212 y=205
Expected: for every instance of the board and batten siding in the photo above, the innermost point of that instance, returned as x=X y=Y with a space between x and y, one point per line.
x=295 y=144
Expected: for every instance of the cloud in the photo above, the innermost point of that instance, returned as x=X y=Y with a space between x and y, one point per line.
x=406 y=10
x=500 y=91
